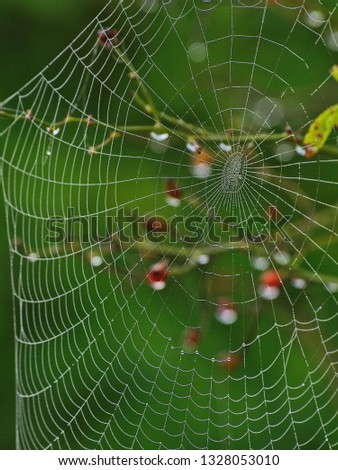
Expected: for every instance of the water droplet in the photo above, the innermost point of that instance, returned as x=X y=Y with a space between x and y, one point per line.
x=298 y=283
x=225 y=147
x=203 y=259
x=226 y=316
x=158 y=285
x=96 y=261
x=332 y=287
x=33 y=257
x=314 y=18
x=201 y=170
x=53 y=131
x=332 y=40
x=282 y=257
x=197 y=52
x=260 y=263
x=269 y=292
x=159 y=137
x=191 y=147
x=173 y=201
x=301 y=151
x=285 y=152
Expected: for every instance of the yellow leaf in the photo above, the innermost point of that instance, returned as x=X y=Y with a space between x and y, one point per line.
x=320 y=130
x=334 y=72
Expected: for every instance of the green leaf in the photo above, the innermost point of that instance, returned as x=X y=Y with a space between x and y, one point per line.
x=322 y=127
x=334 y=72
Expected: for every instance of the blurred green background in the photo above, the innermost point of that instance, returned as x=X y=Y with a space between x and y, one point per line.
x=34 y=33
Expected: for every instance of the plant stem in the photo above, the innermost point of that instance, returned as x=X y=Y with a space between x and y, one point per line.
x=74 y=120
x=312 y=276
x=152 y=108
x=193 y=134
x=183 y=251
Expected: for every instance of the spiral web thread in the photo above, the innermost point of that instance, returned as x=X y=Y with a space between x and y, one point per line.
x=100 y=360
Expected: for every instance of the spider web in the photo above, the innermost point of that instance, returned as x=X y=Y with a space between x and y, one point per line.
x=101 y=362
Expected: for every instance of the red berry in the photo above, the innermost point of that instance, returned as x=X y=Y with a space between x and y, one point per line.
x=158 y=275
x=173 y=191
x=191 y=339
x=270 y=278
x=203 y=156
x=273 y=213
x=225 y=304
x=107 y=37
x=310 y=151
x=156 y=224
x=202 y=160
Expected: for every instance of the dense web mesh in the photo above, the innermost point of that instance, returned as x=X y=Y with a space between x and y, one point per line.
x=128 y=340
